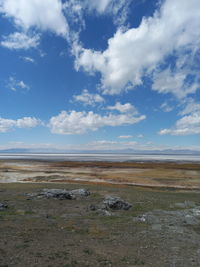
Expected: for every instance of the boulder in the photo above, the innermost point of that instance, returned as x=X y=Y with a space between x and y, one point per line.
x=116 y=203
x=82 y=192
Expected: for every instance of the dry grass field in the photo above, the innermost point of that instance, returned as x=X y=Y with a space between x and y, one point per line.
x=172 y=175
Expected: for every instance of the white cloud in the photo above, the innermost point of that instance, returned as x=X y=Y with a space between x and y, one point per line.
x=123 y=108
x=166 y=107
x=117 y=9
x=125 y=136
x=44 y=15
x=187 y=125
x=99 y=5
x=190 y=107
x=137 y=52
x=7 y=125
x=190 y=122
x=80 y=122
x=88 y=99
x=27 y=122
x=14 y=85
x=19 y=40
x=168 y=82
x=28 y=59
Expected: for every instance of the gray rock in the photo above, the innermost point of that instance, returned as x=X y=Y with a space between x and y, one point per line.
x=116 y=203
x=172 y=221
x=82 y=192
x=3 y=206
x=100 y=210
x=60 y=194
x=104 y=212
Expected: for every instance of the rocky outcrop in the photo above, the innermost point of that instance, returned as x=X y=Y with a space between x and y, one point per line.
x=60 y=194
x=110 y=204
x=116 y=203
x=172 y=220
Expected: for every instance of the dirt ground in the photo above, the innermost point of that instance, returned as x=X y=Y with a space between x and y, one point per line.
x=161 y=229
x=172 y=175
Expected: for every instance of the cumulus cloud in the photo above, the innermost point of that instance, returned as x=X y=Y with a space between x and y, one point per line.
x=88 y=99
x=44 y=15
x=14 y=84
x=80 y=122
x=20 y=40
x=7 y=125
x=187 y=125
x=138 y=52
x=123 y=108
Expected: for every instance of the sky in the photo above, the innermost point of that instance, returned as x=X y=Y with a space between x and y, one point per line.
x=100 y=74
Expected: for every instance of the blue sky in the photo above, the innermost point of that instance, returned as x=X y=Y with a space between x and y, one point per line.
x=100 y=74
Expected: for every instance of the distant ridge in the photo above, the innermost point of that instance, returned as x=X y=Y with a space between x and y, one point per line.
x=125 y=151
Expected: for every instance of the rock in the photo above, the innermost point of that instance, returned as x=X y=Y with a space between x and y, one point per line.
x=172 y=221
x=82 y=192
x=57 y=193
x=104 y=212
x=100 y=210
x=60 y=194
x=110 y=203
x=3 y=206
x=116 y=203
x=196 y=211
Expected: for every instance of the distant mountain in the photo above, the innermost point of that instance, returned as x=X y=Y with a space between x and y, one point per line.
x=125 y=151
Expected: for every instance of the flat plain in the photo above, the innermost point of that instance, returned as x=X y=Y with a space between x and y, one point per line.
x=161 y=229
